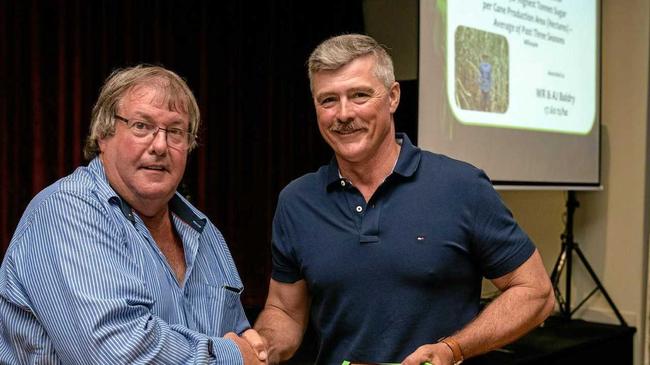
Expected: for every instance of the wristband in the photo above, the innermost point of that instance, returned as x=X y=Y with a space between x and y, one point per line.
x=455 y=349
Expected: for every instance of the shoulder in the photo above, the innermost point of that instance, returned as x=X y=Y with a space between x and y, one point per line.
x=63 y=226
x=450 y=179
x=68 y=208
x=310 y=184
x=438 y=166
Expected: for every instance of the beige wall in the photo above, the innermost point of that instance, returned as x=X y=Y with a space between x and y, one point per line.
x=613 y=223
x=611 y=226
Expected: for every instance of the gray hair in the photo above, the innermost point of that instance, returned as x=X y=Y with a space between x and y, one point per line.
x=179 y=97
x=336 y=52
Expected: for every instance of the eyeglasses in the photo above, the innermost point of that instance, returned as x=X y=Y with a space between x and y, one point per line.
x=176 y=138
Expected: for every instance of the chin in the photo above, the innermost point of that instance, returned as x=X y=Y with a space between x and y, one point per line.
x=149 y=193
x=355 y=156
x=352 y=148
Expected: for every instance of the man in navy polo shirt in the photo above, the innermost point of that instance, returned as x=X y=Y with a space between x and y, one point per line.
x=385 y=248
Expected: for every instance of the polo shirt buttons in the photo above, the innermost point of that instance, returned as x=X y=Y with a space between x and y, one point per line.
x=343 y=183
x=359 y=209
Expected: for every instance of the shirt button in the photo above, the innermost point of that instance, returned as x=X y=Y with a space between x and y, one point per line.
x=210 y=347
x=359 y=209
x=342 y=182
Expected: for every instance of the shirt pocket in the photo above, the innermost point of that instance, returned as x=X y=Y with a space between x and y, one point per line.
x=215 y=309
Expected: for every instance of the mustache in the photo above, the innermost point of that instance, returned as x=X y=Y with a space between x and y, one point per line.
x=344 y=126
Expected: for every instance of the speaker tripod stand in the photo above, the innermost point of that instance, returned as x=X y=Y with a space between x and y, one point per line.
x=565 y=258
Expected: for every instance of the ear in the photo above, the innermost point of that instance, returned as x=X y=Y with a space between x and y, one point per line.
x=101 y=142
x=393 y=96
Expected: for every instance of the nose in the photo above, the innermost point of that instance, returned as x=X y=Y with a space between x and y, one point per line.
x=159 y=145
x=345 y=111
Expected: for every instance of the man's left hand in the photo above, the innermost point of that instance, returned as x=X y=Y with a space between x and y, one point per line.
x=434 y=354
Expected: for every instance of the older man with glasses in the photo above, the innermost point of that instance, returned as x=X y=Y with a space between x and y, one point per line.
x=110 y=265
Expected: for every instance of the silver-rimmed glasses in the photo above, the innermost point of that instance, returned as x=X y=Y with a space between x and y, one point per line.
x=176 y=137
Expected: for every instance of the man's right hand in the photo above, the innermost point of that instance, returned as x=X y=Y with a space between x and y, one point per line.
x=283 y=321
x=251 y=346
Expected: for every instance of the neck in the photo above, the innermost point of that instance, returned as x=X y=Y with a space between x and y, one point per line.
x=366 y=176
x=157 y=221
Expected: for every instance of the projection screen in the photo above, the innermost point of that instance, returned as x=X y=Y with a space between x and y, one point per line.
x=512 y=87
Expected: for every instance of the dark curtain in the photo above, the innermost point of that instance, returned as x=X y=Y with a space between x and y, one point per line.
x=244 y=60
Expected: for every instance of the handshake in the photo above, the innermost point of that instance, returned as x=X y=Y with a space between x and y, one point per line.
x=251 y=345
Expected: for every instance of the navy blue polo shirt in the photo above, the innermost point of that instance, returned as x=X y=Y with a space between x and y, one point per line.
x=401 y=270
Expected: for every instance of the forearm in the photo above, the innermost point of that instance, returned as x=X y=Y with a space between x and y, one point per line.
x=282 y=333
x=158 y=343
x=197 y=349
x=515 y=312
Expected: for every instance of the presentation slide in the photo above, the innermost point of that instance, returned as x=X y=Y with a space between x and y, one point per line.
x=508 y=64
x=512 y=86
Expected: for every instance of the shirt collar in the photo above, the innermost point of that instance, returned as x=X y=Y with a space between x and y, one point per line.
x=177 y=205
x=407 y=163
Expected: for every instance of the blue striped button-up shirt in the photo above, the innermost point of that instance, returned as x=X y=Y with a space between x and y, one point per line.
x=83 y=282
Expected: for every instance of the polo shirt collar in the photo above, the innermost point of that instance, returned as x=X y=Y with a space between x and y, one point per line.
x=409 y=157
x=407 y=163
x=176 y=205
